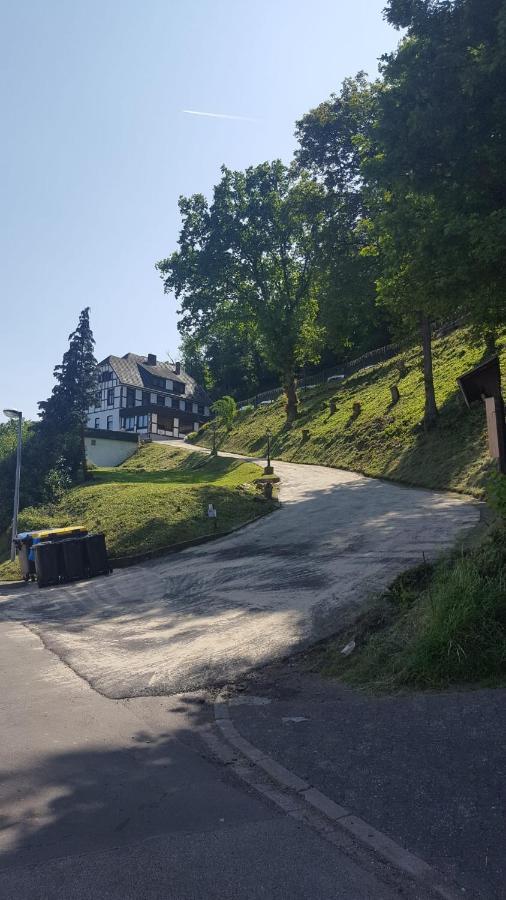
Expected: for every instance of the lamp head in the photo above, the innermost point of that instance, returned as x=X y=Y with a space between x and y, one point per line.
x=12 y=413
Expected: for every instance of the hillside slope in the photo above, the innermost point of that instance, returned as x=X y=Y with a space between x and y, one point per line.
x=157 y=498
x=383 y=439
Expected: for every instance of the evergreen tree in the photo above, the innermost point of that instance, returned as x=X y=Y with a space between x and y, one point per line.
x=64 y=414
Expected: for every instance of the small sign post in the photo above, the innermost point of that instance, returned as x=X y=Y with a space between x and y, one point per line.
x=212 y=513
x=484 y=383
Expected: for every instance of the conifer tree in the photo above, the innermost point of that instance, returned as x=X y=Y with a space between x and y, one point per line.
x=64 y=414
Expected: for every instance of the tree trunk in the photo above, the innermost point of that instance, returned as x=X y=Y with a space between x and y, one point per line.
x=490 y=344
x=431 y=411
x=292 y=401
x=84 y=464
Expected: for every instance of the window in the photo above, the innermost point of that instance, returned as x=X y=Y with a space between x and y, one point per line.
x=160 y=400
x=142 y=421
x=109 y=423
x=201 y=409
x=110 y=396
x=98 y=399
x=129 y=423
x=188 y=406
x=105 y=376
x=130 y=398
x=97 y=423
x=146 y=398
x=174 y=402
x=178 y=387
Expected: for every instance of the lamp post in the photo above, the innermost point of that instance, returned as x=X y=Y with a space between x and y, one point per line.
x=15 y=414
x=268 y=470
x=214 y=451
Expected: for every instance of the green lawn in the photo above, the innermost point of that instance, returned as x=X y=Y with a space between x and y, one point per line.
x=157 y=498
x=385 y=440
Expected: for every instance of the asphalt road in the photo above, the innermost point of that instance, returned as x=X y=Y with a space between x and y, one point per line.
x=108 y=790
x=206 y=615
x=116 y=800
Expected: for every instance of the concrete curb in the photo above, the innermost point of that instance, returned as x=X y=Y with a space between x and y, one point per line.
x=123 y=562
x=298 y=794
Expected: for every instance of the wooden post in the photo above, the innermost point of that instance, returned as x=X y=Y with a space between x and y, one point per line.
x=394 y=390
x=357 y=409
x=496 y=427
x=333 y=406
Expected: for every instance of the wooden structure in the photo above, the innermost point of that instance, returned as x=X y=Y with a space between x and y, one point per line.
x=484 y=383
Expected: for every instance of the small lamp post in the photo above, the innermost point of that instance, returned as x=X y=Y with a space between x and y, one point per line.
x=268 y=470
x=214 y=451
x=15 y=414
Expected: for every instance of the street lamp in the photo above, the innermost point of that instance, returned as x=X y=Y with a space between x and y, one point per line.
x=214 y=451
x=268 y=470
x=15 y=414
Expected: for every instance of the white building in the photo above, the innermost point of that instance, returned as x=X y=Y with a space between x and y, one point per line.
x=139 y=395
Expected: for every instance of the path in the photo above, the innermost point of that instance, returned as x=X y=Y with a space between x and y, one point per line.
x=117 y=800
x=206 y=615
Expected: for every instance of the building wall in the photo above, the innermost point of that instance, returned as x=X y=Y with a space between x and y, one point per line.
x=103 y=452
x=113 y=396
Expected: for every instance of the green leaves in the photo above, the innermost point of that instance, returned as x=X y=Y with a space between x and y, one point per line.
x=251 y=257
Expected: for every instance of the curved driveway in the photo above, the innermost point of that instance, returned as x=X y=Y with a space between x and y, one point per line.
x=204 y=616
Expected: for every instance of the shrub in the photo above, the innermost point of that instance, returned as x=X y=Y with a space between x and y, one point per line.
x=496 y=490
x=463 y=629
x=225 y=409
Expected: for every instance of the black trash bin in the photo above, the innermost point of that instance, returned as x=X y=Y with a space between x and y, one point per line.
x=47 y=563
x=73 y=560
x=97 y=562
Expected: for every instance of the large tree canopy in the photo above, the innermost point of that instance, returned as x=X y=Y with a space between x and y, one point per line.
x=252 y=254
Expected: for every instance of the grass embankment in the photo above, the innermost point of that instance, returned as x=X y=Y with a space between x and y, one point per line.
x=157 y=498
x=437 y=626
x=384 y=439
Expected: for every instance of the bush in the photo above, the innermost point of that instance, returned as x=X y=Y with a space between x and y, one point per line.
x=463 y=629
x=246 y=409
x=496 y=491
x=225 y=409
x=192 y=436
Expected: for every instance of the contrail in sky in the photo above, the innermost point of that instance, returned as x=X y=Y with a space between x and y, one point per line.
x=211 y=115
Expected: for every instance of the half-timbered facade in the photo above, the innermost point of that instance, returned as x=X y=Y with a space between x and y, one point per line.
x=139 y=394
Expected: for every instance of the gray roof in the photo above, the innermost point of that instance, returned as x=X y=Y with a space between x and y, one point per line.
x=133 y=370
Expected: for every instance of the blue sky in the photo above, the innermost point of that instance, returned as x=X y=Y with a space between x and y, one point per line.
x=96 y=149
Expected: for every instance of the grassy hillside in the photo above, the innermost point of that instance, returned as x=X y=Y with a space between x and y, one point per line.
x=157 y=498
x=437 y=625
x=383 y=440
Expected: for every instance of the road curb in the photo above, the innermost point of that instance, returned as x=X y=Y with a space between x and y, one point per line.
x=297 y=795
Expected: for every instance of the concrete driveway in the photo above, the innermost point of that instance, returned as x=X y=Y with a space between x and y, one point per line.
x=204 y=616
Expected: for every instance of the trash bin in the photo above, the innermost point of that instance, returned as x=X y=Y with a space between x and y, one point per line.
x=23 y=542
x=72 y=558
x=95 y=553
x=47 y=563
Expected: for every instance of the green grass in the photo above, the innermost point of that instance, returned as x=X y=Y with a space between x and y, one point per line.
x=157 y=498
x=436 y=627
x=384 y=440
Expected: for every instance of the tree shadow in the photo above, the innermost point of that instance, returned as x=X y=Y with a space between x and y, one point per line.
x=447 y=452
x=279 y=585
